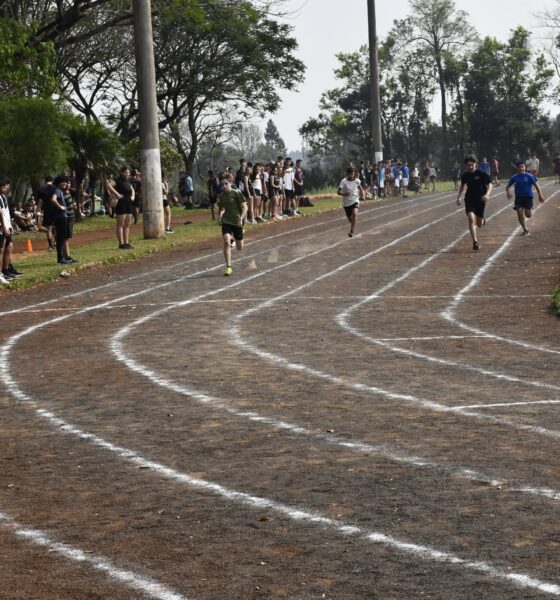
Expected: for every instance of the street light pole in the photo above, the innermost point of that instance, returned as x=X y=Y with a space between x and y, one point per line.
x=375 y=102
x=152 y=202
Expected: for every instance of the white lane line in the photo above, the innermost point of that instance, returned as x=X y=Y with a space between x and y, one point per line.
x=311 y=518
x=384 y=298
x=146 y=586
x=117 y=346
x=236 y=334
x=343 y=321
x=428 y=338
x=297 y=514
x=506 y=404
x=392 y=208
x=449 y=313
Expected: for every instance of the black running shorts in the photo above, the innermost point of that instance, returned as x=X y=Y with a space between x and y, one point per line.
x=233 y=230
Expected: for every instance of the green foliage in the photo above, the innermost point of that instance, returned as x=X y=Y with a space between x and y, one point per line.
x=170 y=158
x=27 y=66
x=342 y=127
x=93 y=148
x=31 y=138
x=556 y=299
x=504 y=89
x=273 y=138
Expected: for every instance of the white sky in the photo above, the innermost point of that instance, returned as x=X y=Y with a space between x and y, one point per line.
x=325 y=27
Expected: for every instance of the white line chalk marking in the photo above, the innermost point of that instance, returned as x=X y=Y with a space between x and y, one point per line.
x=146 y=586
x=307 y=517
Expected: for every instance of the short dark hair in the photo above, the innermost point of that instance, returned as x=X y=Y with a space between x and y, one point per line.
x=62 y=178
x=48 y=178
x=4 y=181
x=470 y=159
x=519 y=162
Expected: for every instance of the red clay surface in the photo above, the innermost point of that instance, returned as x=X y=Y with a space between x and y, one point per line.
x=218 y=448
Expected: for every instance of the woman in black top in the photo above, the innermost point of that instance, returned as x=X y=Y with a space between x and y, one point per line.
x=124 y=192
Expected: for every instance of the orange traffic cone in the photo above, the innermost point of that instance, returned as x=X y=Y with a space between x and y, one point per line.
x=29 y=247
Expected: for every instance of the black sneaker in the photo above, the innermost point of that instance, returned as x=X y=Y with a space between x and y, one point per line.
x=127 y=246
x=74 y=260
x=476 y=246
x=14 y=271
x=7 y=275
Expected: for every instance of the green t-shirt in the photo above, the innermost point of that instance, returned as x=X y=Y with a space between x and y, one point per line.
x=232 y=204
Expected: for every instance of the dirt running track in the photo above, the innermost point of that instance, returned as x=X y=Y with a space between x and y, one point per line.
x=366 y=418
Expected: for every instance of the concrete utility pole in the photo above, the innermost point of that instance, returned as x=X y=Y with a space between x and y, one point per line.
x=375 y=102
x=152 y=202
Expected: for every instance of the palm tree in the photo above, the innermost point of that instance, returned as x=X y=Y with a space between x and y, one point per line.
x=94 y=149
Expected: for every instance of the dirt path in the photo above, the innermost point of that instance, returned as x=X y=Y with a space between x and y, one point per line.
x=302 y=430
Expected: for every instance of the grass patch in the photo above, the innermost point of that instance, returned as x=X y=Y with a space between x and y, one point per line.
x=41 y=267
x=556 y=299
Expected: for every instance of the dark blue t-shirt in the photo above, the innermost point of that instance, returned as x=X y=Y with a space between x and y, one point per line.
x=523 y=184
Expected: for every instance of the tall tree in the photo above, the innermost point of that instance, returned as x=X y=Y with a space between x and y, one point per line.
x=273 y=138
x=342 y=127
x=504 y=89
x=441 y=30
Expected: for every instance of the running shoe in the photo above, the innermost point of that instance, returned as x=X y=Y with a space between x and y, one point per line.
x=228 y=272
x=14 y=271
x=525 y=232
x=7 y=275
x=64 y=261
x=476 y=246
x=169 y=230
x=3 y=280
x=350 y=234
x=74 y=260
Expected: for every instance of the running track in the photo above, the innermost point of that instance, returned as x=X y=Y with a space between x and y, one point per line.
x=364 y=418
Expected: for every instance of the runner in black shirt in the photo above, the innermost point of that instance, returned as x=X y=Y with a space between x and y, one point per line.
x=479 y=188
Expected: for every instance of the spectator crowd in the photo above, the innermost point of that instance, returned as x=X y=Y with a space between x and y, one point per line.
x=272 y=190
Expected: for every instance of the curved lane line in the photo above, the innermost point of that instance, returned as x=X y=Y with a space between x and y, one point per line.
x=146 y=586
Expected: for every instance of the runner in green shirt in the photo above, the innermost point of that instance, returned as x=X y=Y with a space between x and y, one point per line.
x=233 y=209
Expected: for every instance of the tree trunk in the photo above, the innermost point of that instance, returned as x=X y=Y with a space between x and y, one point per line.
x=444 y=144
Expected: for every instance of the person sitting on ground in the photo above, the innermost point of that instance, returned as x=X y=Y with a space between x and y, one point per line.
x=23 y=219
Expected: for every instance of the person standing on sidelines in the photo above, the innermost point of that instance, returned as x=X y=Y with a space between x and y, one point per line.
x=533 y=164
x=523 y=183
x=6 y=245
x=350 y=188
x=556 y=163
x=479 y=188
x=124 y=192
x=233 y=209
x=63 y=225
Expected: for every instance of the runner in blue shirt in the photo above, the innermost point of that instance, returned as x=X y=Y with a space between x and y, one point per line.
x=523 y=183
x=484 y=166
